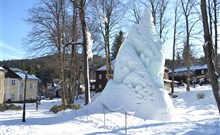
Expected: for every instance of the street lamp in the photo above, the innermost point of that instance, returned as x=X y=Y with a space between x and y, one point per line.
x=24 y=105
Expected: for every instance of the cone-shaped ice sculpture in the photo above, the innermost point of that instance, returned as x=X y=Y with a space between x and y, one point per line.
x=138 y=76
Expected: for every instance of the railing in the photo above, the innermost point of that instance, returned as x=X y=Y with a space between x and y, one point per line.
x=107 y=110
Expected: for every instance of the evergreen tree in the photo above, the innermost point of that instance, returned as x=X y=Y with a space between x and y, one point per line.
x=178 y=61
x=119 y=38
x=188 y=55
x=32 y=70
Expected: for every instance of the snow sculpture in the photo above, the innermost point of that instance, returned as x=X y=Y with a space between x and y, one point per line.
x=138 y=76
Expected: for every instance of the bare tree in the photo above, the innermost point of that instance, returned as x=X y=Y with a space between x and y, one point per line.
x=134 y=9
x=54 y=28
x=158 y=9
x=209 y=53
x=81 y=5
x=187 y=7
x=216 y=29
x=109 y=13
x=175 y=36
x=48 y=20
x=73 y=63
x=212 y=15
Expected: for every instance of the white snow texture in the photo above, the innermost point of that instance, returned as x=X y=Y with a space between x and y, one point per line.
x=138 y=76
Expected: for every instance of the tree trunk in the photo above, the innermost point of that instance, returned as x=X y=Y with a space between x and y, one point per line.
x=63 y=92
x=72 y=76
x=187 y=55
x=62 y=34
x=174 y=47
x=209 y=52
x=73 y=66
x=107 y=46
x=107 y=50
x=216 y=33
x=78 y=83
x=85 y=52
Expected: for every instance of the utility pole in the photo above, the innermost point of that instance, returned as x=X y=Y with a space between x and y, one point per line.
x=24 y=102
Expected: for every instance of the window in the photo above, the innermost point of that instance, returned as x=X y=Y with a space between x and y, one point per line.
x=1 y=86
x=12 y=82
x=21 y=97
x=93 y=87
x=100 y=76
x=22 y=85
x=4 y=97
x=202 y=72
x=31 y=85
x=12 y=97
x=100 y=86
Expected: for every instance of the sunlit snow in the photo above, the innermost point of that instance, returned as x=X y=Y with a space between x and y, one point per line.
x=191 y=116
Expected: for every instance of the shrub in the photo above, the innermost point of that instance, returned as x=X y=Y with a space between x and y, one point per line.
x=56 y=108
x=5 y=107
x=72 y=106
x=200 y=95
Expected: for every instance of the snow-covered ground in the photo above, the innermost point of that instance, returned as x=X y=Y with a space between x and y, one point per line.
x=191 y=116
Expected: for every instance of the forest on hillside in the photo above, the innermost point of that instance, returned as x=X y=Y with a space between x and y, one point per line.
x=46 y=68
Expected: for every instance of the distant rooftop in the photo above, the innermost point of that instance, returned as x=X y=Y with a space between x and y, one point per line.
x=30 y=77
x=195 y=67
x=103 y=68
x=16 y=70
x=2 y=69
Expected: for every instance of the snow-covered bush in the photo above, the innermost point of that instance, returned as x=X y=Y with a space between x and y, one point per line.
x=200 y=95
x=5 y=107
x=58 y=108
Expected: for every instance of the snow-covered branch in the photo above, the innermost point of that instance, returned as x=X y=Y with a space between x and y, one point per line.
x=90 y=43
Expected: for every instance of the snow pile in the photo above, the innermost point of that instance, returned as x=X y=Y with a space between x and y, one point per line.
x=138 y=76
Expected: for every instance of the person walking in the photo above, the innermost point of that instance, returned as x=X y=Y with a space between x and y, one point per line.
x=37 y=104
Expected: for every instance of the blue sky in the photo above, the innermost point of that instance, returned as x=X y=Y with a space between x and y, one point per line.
x=13 y=28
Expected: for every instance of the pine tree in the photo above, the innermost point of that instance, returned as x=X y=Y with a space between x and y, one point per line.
x=32 y=70
x=119 y=38
x=187 y=55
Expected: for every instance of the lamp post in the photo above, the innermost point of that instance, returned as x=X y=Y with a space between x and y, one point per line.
x=24 y=102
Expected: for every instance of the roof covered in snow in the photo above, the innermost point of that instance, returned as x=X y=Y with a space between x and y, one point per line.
x=16 y=69
x=2 y=69
x=195 y=67
x=103 y=68
x=30 y=77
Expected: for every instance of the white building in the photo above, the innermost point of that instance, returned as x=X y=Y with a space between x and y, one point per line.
x=15 y=85
x=2 y=78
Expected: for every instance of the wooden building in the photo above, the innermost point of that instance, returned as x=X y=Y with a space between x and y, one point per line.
x=198 y=74
x=101 y=78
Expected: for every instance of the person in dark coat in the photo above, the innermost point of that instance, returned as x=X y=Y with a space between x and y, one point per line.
x=37 y=104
